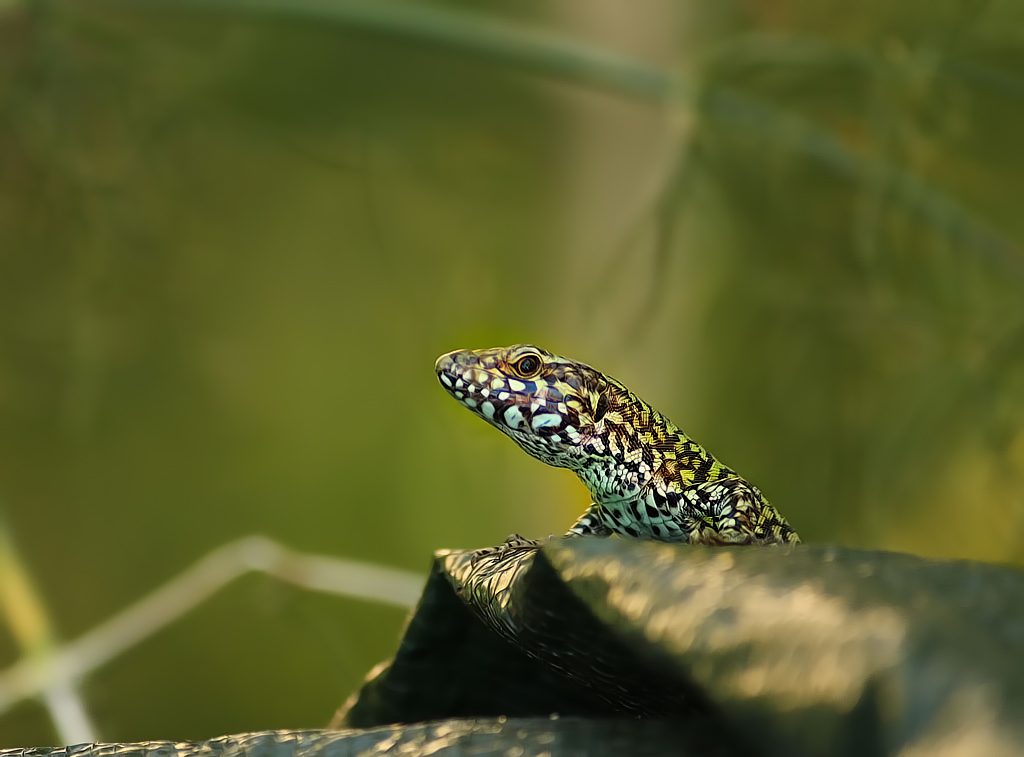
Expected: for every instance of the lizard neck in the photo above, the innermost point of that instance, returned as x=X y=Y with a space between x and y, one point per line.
x=633 y=449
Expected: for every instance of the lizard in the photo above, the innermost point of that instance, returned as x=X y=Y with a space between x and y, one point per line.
x=648 y=479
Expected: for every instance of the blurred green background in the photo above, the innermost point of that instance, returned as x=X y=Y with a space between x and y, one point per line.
x=235 y=235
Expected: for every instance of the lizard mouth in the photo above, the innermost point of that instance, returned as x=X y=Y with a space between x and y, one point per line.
x=496 y=399
x=500 y=407
x=457 y=376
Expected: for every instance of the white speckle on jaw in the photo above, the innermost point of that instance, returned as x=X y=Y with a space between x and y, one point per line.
x=459 y=395
x=516 y=386
x=470 y=402
x=445 y=380
x=487 y=409
x=497 y=383
x=485 y=392
x=556 y=438
x=543 y=420
x=513 y=417
x=459 y=383
x=561 y=408
x=502 y=396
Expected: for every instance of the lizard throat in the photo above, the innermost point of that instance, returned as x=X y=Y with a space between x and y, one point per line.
x=615 y=467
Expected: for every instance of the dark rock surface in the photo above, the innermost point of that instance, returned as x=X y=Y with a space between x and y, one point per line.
x=643 y=648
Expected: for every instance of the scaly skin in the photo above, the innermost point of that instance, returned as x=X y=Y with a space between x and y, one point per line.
x=648 y=479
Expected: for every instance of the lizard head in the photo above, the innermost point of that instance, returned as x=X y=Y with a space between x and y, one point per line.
x=548 y=404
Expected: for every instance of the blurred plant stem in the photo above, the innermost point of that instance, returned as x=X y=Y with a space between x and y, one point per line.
x=494 y=40
x=26 y=616
x=51 y=671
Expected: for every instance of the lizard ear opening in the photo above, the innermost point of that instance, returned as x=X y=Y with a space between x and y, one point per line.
x=602 y=406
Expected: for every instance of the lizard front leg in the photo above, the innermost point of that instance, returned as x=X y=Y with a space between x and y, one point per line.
x=731 y=511
x=590 y=523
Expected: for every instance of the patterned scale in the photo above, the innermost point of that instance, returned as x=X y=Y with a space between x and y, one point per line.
x=648 y=479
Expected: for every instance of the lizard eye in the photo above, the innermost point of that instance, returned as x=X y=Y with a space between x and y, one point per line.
x=527 y=366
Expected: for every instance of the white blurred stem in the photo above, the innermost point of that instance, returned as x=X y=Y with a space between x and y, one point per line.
x=52 y=674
